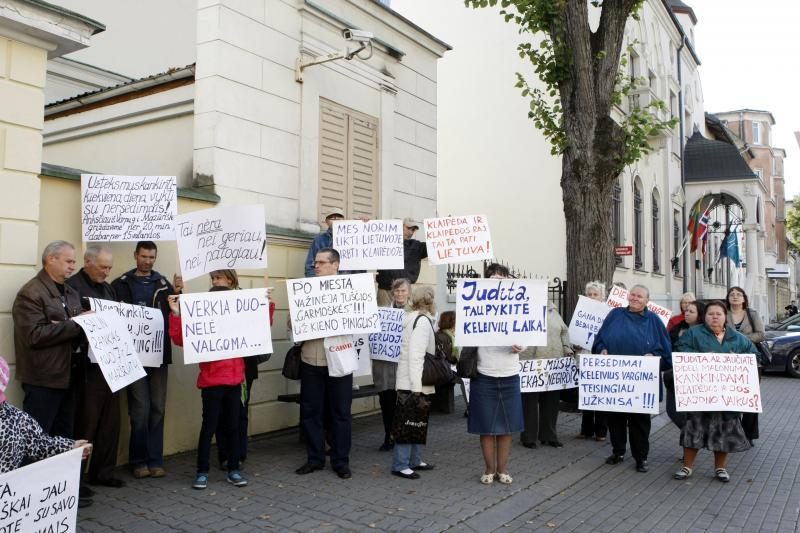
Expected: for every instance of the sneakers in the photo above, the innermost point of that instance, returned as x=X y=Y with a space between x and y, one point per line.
x=200 y=482
x=235 y=478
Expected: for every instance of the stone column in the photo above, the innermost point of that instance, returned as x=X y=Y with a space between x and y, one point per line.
x=751 y=256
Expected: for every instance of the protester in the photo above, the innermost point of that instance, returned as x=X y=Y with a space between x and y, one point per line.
x=720 y=432
x=747 y=322
x=22 y=438
x=320 y=391
x=384 y=373
x=418 y=338
x=97 y=415
x=442 y=400
x=692 y=316
x=220 y=383
x=633 y=330
x=495 y=406
x=229 y=279
x=593 y=423
x=322 y=240
x=540 y=409
x=147 y=397
x=687 y=298
x=414 y=252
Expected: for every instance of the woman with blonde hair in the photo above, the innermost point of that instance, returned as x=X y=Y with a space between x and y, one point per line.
x=686 y=299
x=593 y=423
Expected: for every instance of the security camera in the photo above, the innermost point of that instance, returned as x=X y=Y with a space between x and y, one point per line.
x=358 y=36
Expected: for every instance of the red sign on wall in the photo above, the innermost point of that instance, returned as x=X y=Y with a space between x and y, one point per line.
x=623 y=250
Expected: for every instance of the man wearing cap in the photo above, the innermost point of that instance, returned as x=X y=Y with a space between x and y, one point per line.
x=323 y=240
x=414 y=252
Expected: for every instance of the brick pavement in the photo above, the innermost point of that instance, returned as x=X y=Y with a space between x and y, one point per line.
x=554 y=489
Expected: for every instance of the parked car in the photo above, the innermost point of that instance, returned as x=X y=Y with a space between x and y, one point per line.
x=783 y=340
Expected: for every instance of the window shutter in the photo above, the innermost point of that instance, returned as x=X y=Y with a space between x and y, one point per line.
x=332 y=161
x=363 y=168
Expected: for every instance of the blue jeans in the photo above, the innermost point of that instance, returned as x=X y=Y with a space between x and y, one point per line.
x=320 y=392
x=147 y=399
x=407 y=456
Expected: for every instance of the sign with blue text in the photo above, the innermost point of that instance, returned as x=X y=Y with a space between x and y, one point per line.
x=716 y=382
x=586 y=321
x=501 y=312
x=540 y=375
x=225 y=324
x=42 y=496
x=385 y=345
x=621 y=383
x=371 y=245
x=326 y=306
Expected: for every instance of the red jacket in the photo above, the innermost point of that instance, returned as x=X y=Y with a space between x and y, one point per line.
x=214 y=373
x=674 y=321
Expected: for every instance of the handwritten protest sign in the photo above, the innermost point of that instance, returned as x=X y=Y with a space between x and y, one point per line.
x=41 y=496
x=145 y=325
x=539 y=375
x=618 y=297
x=716 y=382
x=332 y=305
x=621 y=383
x=225 y=324
x=586 y=321
x=501 y=312
x=111 y=346
x=128 y=208
x=457 y=239
x=371 y=245
x=385 y=345
x=221 y=238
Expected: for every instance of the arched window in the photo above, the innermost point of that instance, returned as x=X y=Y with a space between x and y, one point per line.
x=638 y=225
x=616 y=213
x=655 y=215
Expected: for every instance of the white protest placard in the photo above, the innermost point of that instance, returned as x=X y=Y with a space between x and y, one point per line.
x=361 y=344
x=42 y=496
x=385 y=345
x=225 y=324
x=622 y=383
x=501 y=312
x=371 y=245
x=111 y=346
x=586 y=321
x=145 y=325
x=222 y=238
x=716 y=382
x=457 y=239
x=128 y=208
x=618 y=297
x=325 y=306
x=540 y=375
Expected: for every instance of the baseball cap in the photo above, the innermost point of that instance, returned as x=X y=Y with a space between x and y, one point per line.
x=5 y=377
x=335 y=214
x=410 y=223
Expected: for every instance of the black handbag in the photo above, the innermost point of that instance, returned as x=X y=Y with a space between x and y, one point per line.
x=262 y=358
x=291 y=364
x=410 y=422
x=435 y=369
x=467 y=366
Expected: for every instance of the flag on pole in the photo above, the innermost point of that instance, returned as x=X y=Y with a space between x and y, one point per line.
x=730 y=248
x=700 y=227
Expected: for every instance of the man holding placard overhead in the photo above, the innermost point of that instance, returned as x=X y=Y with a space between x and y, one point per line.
x=147 y=397
x=414 y=252
x=633 y=330
x=323 y=240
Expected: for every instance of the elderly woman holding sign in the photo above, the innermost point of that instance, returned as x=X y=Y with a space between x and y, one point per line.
x=633 y=330
x=720 y=432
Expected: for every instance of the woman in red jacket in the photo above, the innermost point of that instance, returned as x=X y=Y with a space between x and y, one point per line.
x=220 y=383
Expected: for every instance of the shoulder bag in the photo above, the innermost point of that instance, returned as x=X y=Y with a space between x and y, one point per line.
x=467 y=366
x=291 y=364
x=435 y=370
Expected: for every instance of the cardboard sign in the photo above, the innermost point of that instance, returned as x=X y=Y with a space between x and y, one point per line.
x=618 y=297
x=222 y=238
x=372 y=245
x=457 y=239
x=716 y=382
x=539 y=375
x=145 y=325
x=622 y=383
x=42 y=496
x=111 y=346
x=224 y=325
x=326 y=306
x=501 y=312
x=586 y=321
x=128 y=208
x=386 y=344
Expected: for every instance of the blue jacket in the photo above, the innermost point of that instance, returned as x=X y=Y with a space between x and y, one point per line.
x=323 y=240
x=627 y=333
x=701 y=339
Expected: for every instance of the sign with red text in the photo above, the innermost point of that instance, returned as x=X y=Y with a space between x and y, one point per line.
x=716 y=382
x=371 y=245
x=457 y=239
x=501 y=312
x=618 y=297
x=586 y=321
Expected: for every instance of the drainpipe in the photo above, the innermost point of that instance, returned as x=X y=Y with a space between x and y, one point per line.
x=687 y=258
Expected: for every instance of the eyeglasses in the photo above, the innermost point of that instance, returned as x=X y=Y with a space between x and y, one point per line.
x=322 y=262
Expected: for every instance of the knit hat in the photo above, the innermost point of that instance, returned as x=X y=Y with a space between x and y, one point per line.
x=5 y=377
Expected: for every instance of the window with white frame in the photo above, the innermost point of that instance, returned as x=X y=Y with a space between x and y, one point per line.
x=756 y=132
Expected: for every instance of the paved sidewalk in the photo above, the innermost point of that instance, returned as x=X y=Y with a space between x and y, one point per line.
x=565 y=489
